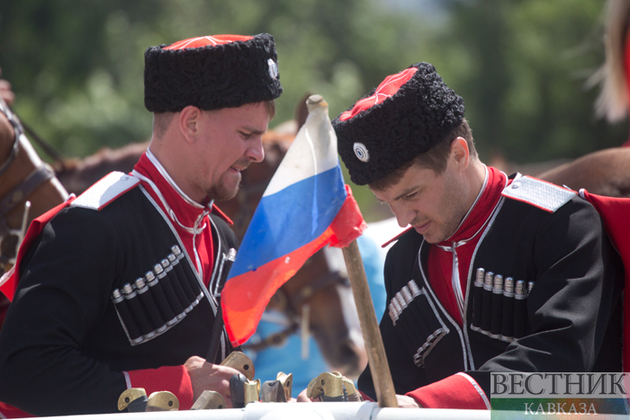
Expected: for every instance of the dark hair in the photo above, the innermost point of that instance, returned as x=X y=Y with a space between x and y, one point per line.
x=435 y=158
x=271 y=108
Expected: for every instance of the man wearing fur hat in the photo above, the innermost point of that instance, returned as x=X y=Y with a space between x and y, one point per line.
x=121 y=287
x=495 y=273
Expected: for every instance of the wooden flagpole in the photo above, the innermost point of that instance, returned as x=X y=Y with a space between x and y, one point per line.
x=377 y=359
x=381 y=376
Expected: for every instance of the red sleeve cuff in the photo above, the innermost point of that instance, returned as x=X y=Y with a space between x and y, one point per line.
x=174 y=379
x=455 y=391
x=10 y=412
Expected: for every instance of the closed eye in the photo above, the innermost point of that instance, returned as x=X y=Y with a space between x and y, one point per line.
x=412 y=195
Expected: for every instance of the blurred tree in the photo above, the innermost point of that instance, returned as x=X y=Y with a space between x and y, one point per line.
x=525 y=66
x=77 y=65
x=71 y=72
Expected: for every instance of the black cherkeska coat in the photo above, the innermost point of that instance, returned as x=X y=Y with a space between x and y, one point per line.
x=70 y=328
x=571 y=319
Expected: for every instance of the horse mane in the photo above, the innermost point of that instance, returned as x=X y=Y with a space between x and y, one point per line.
x=77 y=175
x=612 y=101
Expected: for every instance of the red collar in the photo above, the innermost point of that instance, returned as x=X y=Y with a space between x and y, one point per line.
x=482 y=209
x=186 y=210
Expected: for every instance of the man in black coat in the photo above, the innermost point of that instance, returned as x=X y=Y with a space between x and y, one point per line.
x=120 y=287
x=495 y=273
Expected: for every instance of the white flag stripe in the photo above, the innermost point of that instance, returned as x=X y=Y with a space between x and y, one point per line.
x=313 y=151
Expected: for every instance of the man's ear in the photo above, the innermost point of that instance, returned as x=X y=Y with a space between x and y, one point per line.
x=460 y=153
x=189 y=123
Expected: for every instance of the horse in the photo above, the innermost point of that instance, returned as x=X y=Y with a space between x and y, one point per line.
x=77 y=175
x=28 y=188
x=320 y=285
x=603 y=172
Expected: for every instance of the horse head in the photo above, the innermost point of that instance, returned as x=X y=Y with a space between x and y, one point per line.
x=28 y=188
x=24 y=178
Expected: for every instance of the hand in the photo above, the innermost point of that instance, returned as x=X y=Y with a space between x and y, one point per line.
x=407 y=402
x=302 y=397
x=205 y=375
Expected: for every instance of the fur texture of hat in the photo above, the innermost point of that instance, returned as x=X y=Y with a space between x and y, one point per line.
x=376 y=140
x=210 y=77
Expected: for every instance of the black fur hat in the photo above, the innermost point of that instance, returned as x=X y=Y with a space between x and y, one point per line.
x=407 y=114
x=211 y=72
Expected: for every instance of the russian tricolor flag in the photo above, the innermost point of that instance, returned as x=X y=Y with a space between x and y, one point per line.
x=305 y=207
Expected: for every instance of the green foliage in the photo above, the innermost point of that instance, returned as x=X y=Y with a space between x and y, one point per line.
x=524 y=78
x=77 y=65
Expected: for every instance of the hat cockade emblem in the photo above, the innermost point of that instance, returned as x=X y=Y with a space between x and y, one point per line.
x=273 y=69
x=361 y=152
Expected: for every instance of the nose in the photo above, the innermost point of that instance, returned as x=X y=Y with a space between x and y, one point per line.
x=404 y=216
x=256 y=152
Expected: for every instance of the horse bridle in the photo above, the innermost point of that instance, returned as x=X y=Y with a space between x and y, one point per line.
x=37 y=177
x=288 y=306
x=16 y=145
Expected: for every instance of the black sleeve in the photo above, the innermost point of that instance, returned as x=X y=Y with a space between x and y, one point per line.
x=66 y=280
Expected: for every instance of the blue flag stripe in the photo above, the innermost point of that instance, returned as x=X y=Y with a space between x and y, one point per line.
x=280 y=219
